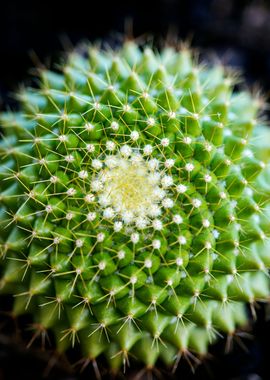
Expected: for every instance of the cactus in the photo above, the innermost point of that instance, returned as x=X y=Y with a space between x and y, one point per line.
x=135 y=194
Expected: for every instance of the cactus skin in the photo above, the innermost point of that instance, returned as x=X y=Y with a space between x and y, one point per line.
x=134 y=215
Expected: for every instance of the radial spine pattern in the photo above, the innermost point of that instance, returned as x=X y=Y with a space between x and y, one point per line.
x=134 y=206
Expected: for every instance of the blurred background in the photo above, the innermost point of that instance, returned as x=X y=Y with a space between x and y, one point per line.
x=238 y=32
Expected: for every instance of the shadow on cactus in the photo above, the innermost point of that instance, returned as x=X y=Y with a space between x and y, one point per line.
x=135 y=191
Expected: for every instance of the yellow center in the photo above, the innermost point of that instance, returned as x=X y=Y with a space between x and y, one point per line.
x=130 y=188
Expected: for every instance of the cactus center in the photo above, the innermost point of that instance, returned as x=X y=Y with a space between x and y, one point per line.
x=131 y=188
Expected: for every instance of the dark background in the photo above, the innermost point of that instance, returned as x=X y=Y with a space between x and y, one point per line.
x=236 y=31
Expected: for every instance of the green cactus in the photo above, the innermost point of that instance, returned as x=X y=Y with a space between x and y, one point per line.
x=135 y=204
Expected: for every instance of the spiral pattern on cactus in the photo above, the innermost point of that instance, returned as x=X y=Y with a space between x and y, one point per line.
x=135 y=199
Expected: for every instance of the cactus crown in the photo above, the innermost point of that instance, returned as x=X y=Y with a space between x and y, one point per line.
x=134 y=204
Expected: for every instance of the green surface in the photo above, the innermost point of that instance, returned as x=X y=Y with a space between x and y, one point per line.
x=134 y=214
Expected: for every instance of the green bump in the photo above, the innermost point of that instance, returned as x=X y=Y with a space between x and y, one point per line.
x=134 y=206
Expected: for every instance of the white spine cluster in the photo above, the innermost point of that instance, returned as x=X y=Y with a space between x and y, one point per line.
x=132 y=190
